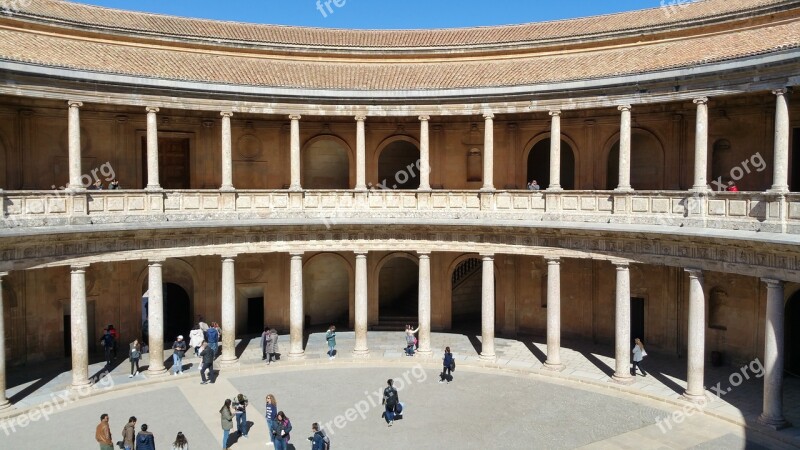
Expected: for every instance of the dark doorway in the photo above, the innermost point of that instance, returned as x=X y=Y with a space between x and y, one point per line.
x=466 y=283
x=398 y=291
x=173 y=163
x=177 y=312
x=67 y=335
x=255 y=315
x=539 y=165
x=795 y=168
x=792 y=336
x=398 y=166
x=637 y=319
x=92 y=336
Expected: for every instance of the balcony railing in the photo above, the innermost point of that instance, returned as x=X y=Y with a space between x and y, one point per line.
x=751 y=211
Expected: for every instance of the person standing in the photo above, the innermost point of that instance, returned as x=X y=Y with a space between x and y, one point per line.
x=390 y=401
x=102 y=434
x=114 y=335
x=411 y=341
x=207 y=356
x=240 y=409
x=195 y=339
x=330 y=336
x=181 y=443
x=145 y=440
x=226 y=417
x=447 y=363
x=213 y=338
x=318 y=439
x=203 y=326
x=178 y=351
x=638 y=355
x=272 y=413
x=264 y=341
x=108 y=347
x=134 y=354
x=129 y=434
x=272 y=345
x=283 y=426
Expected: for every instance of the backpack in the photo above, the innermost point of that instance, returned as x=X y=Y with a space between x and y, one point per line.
x=326 y=441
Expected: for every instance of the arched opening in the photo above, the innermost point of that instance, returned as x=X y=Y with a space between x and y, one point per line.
x=466 y=281
x=177 y=312
x=325 y=164
x=647 y=163
x=398 y=291
x=539 y=164
x=326 y=290
x=792 y=336
x=398 y=166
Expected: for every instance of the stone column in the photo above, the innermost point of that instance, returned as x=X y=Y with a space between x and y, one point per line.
x=701 y=146
x=361 y=306
x=152 y=150
x=4 y=403
x=296 y=306
x=227 y=153
x=228 y=311
x=622 y=326
x=155 y=317
x=781 y=152
x=361 y=154
x=773 y=358
x=625 y=149
x=555 y=151
x=553 y=314
x=695 y=354
x=424 y=304
x=487 y=309
x=424 y=154
x=74 y=132
x=488 y=153
x=294 y=153
x=79 y=326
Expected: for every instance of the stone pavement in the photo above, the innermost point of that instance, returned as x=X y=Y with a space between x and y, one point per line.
x=307 y=382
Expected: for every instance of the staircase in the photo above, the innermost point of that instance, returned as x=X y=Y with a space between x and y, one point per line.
x=465 y=270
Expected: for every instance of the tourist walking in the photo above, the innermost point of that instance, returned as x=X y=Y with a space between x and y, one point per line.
x=226 y=418
x=207 y=356
x=114 y=335
x=240 y=409
x=638 y=355
x=178 y=352
x=271 y=414
x=447 y=366
x=318 y=438
x=102 y=434
x=272 y=345
x=145 y=440
x=134 y=354
x=390 y=401
x=264 y=341
x=283 y=426
x=181 y=443
x=129 y=434
x=213 y=338
x=108 y=346
x=195 y=339
x=330 y=336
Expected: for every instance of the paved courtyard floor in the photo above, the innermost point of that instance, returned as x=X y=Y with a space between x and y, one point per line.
x=513 y=403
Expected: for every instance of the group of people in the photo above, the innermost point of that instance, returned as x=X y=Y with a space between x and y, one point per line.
x=144 y=440
x=109 y=341
x=269 y=344
x=98 y=185
x=279 y=426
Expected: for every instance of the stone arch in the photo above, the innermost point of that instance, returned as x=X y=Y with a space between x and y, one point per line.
x=397 y=287
x=397 y=162
x=326 y=163
x=536 y=158
x=647 y=161
x=328 y=287
x=179 y=279
x=722 y=159
x=467 y=319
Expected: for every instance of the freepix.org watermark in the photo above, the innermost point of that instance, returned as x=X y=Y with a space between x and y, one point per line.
x=324 y=6
x=753 y=369
x=56 y=403
x=673 y=6
x=374 y=400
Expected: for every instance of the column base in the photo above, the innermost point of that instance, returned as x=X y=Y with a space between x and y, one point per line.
x=487 y=189
x=424 y=353
x=623 y=379
x=556 y=367
x=784 y=189
x=75 y=189
x=694 y=398
x=227 y=189
x=488 y=357
x=78 y=385
x=297 y=355
x=772 y=423
x=153 y=188
x=5 y=404
x=157 y=372
x=228 y=362
x=295 y=189
x=361 y=353
x=623 y=189
x=700 y=189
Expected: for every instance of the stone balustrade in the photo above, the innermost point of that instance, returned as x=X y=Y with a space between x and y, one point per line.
x=749 y=211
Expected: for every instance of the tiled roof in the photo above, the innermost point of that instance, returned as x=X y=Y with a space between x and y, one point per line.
x=674 y=13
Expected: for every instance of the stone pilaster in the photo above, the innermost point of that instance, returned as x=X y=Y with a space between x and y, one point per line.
x=555 y=151
x=296 y=306
x=361 y=154
x=79 y=326
x=695 y=374
x=772 y=416
x=228 y=310
x=488 y=153
x=701 y=146
x=155 y=317
x=424 y=304
x=781 y=145
x=624 y=149
x=553 y=361
x=4 y=403
x=424 y=154
x=622 y=326
x=74 y=132
x=361 y=306
x=487 y=309
x=227 y=153
x=294 y=153
x=153 y=183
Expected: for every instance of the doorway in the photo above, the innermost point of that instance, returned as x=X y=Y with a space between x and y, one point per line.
x=791 y=336
x=637 y=319
x=539 y=165
x=91 y=335
x=466 y=294
x=398 y=291
x=173 y=162
x=795 y=162
x=255 y=315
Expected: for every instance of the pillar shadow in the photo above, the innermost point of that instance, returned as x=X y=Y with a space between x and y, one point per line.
x=598 y=363
x=476 y=343
x=540 y=355
x=242 y=346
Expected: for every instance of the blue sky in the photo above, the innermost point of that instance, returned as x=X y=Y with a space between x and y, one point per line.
x=382 y=14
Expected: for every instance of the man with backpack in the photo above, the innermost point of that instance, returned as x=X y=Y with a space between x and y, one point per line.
x=319 y=441
x=213 y=339
x=108 y=346
x=390 y=401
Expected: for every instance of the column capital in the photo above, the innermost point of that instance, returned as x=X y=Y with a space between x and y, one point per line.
x=3 y=274
x=700 y=101
x=74 y=103
x=151 y=109
x=295 y=116
x=780 y=92
x=228 y=256
x=694 y=272
x=361 y=254
x=78 y=268
x=773 y=283
x=554 y=112
x=488 y=115
x=621 y=265
x=423 y=254
x=552 y=260
x=361 y=117
x=153 y=262
x=226 y=113
x=487 y=256
x=296 y=255
x=624 y=108
x=424 y=118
